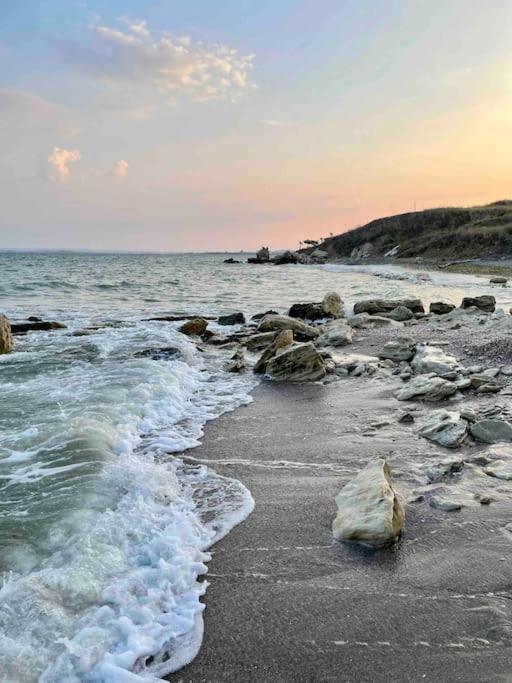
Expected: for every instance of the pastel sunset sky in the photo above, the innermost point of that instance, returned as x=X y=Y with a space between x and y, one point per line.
x=228 y=124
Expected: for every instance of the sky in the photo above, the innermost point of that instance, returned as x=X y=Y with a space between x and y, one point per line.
x=207 y=125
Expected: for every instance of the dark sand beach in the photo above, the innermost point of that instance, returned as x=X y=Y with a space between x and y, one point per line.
x=287 y=603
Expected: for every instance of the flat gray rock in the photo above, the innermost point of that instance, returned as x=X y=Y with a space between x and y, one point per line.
x=491 y=431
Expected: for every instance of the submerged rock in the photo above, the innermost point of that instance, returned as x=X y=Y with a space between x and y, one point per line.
x=40 y=326
x=335 y=333
x=6 y=342
x=441 y=308
x=237 y=363
x=444 y=428
x=428 y=387
x=486 y=302
x=301 y=331
x=281 y=340
x=369 y=511
x=296 y=363
x=491 y=431
x=332 y=305
x=196 y=326
x=432 y=359
x=233 y=319
x=398 y=349
x=161 y=353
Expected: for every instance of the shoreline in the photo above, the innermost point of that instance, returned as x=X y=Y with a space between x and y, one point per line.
x=287 y=603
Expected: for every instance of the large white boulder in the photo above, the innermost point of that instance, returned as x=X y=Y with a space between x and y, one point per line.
x=432 y=359
x=332 y=305
x=369 y=511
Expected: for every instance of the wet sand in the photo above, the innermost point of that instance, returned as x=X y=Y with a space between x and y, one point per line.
x=287 y=603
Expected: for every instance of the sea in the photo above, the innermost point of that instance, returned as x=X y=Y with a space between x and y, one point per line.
x=104 y=529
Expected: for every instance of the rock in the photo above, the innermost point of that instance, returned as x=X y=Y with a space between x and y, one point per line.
x=42 y=326
x=332 y=305
x=281 y=340
x=498 y=280
x=444 y=428
x=335 y=333
x=34 y=319
x=6 y=342
x=307 y=311
x=259 y=316
x=443 y=468
x=364 y=251
x=233 y=319
x=369 y=511
x=491 y=431
x=462 y=383
x=441 y=308
x=398 y=349
x=432 y=359
x=501 y=469
x=296 y=363
x=163 y=353
x=366 y=321
x=196 y=326
x=491 y=372
x=259 y=341
x=506 y=370
x=375 y=306
x=485 y=302
x=400 y=314
x=231 y=260
x=488 y=389
x=481 y=379
x=301 y=331
x=428 y=387
x=444 y=504
x=468 y=414
x=406 y=418
x=319 y=255
x=237 y=362
x=285 y=258
x=262 y=256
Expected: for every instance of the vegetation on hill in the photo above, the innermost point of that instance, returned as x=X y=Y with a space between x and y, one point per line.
x=450 y=232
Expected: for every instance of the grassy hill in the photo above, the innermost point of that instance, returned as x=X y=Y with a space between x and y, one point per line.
x=451 y=232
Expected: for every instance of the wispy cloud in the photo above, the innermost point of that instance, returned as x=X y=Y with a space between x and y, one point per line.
x=172 y=67
x=58 y=163
x=120 y=169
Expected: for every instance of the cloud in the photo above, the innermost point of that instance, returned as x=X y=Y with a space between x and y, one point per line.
x=173 y=67
x=22 y=109
x=58 y=163
x=120 y=169
x=272 y=122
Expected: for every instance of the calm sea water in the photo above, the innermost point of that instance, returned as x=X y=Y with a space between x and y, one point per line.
x=103 y=531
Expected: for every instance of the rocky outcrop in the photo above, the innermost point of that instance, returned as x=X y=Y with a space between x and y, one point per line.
x=196 y=326
x=332 y=305
x=441 y=308
x=485 y=303
x=301 y=331
x=335 y=333
x=369 y=511
x=398 y=349
x=237 y=363
x=364 y=251
x=444 y=428
x=376 y=306
x=6 y=342
x=40 y=326
x=491 y=431
x=281 y=340
x=432 y=359
x=285 y=258
x=262 y=256
x=233 y=319
x=296 y=363
x=428 y=387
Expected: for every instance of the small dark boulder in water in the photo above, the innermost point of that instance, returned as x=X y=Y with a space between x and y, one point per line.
x=164 y=353
x=6 y=343
x=313 y=311
x=233 y=319
x=285 y=258
x=41 y=326
x=231 y=260
x=196 y=326
x=486 y=302
x=34 y=319
x=259 y=316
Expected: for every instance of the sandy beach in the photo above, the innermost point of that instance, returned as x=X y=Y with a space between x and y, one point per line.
x=287 y=603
